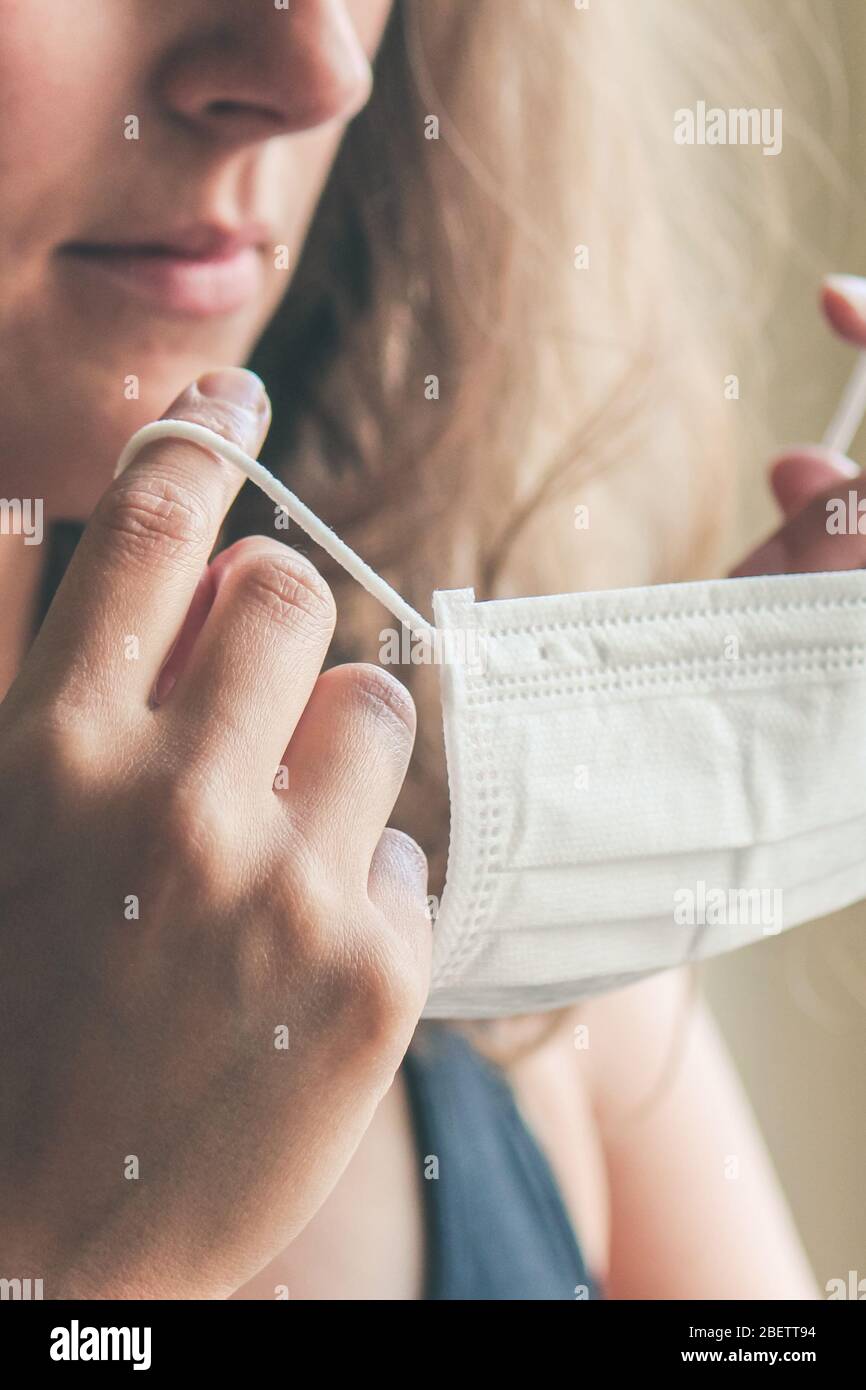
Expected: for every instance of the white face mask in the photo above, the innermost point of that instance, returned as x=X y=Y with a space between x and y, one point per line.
x=637 y=777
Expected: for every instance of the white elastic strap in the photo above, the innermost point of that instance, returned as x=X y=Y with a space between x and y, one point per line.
x=282 y=497
x=845 y=423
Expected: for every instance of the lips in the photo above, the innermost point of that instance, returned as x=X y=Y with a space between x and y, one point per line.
x=198 y=271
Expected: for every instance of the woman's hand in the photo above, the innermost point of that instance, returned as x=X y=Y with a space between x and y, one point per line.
x=209 y=971
x=806 y=478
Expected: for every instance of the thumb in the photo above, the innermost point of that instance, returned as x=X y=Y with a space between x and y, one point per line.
x=804 y=471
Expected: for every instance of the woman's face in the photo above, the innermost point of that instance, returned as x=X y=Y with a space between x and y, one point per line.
x=160 y=161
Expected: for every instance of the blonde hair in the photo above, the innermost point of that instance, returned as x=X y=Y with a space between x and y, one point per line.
x=452 y=374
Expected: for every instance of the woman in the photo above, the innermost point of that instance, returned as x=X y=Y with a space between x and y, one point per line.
x=210 y=974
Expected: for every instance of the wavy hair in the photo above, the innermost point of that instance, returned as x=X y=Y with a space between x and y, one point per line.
x=520 y=295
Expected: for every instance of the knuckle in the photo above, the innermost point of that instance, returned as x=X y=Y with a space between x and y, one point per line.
x=385 y=696
x=157 y=511
x=388 y=991
x=55 y=761
x=64 y=747
x=286 y=590
x=198 y=834
x=345 y=959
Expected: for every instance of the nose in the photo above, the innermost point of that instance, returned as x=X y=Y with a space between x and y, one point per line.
x=266 y=72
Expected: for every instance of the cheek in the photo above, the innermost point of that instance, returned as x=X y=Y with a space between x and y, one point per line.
x=293 y=172
x=298 y=169
x=369 y=18
x=53 y=61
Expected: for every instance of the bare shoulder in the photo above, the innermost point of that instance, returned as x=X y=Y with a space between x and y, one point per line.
x=635 y=1039
x=696 y=1210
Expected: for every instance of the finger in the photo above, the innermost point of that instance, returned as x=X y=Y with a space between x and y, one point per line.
x=397 y=885
x=195 y=619
x=348 y=758
x=202 y=602
x=256 y=658
x=824 y=536
x=805 y=471
x=135 y=572
x=843 y=299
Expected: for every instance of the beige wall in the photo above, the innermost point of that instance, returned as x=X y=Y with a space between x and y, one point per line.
x=794 y=1009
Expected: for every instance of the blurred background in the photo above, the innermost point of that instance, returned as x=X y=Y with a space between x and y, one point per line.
x=793 y=1010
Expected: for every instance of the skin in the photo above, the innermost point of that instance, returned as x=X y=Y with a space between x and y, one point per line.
x=155 y=776
x=163 y=1032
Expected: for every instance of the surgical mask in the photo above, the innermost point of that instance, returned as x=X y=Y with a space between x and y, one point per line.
x=637 y=777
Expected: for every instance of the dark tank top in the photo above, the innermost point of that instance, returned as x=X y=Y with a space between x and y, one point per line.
x=496 y=1226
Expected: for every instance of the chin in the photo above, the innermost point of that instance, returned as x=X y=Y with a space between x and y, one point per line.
x=84 y=380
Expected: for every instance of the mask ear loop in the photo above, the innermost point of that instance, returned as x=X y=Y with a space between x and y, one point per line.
x=849 y=413
x=296 y=509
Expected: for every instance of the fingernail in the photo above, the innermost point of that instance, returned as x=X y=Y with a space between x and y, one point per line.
x=820 y=453
x=414 y=857
x=236 y=386
x=231 y=400
x=852 y=289
x=421 y=870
